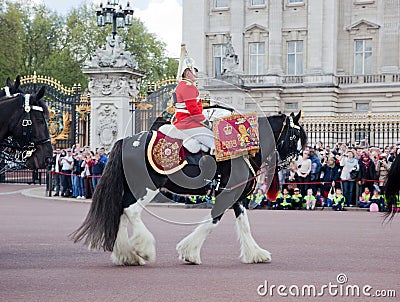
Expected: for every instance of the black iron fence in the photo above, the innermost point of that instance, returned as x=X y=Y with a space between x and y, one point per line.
x=24 y=176
x=152 y=111
x=368 y=129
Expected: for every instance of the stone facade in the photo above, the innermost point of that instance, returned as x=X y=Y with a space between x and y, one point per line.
x=113 y=84
x=323 y=57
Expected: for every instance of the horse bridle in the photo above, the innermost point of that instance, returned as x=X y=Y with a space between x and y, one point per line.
x=7 y=91
x=26 y=122
x=290 y=136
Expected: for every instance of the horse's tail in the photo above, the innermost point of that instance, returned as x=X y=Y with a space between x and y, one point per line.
x=392 y=189
x=100 y=227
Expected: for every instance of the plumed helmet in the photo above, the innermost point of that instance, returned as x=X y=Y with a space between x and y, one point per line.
x=185 y=62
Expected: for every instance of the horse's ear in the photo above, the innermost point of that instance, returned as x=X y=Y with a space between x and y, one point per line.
x=9 y=83
x=17 y=82
x=40 y=93
x=297 y=118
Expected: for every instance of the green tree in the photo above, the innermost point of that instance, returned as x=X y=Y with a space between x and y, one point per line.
x=11 y=37
x=42 y=33
x=36 y=39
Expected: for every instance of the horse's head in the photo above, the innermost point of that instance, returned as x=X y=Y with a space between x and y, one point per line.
x=35 y=131
x=290 y=137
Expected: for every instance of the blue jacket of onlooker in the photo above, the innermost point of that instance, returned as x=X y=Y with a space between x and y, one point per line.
x=315 y=166
x=98 y=167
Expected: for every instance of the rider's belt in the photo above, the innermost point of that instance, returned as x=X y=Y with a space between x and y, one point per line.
x=180 y=105
x=182 y=110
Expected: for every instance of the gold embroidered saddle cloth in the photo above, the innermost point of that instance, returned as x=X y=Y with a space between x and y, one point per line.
x=236 y=135
x=165 y=154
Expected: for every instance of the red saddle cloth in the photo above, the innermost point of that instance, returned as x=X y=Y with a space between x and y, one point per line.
x=165 y=154
x=236 y=135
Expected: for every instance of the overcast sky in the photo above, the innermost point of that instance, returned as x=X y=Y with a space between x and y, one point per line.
x=162 y=17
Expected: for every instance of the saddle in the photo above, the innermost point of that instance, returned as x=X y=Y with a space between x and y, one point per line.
x=168 y=154
x=170 y=149
x=190 y=144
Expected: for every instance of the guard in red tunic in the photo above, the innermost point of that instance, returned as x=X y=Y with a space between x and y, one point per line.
x=188 y=107
x=189 y=116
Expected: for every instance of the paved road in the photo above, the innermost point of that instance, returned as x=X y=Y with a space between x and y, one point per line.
x=39 y=263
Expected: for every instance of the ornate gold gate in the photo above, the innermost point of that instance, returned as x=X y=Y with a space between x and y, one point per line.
x=69 y=121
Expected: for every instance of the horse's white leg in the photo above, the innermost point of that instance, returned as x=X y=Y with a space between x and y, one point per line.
x=122 y=253
x=142 y=241
x=189 y=247
x=250 y=252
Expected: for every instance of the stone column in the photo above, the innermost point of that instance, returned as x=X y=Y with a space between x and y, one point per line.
x=194 y=25
x=388 y=57
x=237 y=25
x=113 y=82
x=330 y=37
x=275 y=37
x=315 y=36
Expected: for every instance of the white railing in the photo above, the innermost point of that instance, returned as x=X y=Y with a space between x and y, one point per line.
x=259 y=81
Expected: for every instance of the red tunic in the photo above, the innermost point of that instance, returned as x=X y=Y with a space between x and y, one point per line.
x=189 y=109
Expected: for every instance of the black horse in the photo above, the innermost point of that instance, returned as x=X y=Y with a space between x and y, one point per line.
x=129 y=183
x=23 y=127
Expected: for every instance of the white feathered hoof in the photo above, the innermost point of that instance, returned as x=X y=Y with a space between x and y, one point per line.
x=256 y=255
x=187 y=252
x=122 y=253
x=127 y=258
x=189 y=247
x=143 y=243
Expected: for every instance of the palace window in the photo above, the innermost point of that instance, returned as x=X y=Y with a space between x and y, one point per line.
x=256 y=58
x=221 y=3
x=295 y=58
x=363 y=56
x=218 y=53
x=362 y=107
x=257 y=2
x=364 y=2
x=291 y=106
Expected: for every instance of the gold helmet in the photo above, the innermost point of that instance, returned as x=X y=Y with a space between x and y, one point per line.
x=185 y=62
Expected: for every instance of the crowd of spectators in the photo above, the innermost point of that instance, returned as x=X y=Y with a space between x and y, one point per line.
x=338 y=177
x=77 y=170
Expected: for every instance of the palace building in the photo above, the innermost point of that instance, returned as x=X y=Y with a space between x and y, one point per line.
x=327 y=58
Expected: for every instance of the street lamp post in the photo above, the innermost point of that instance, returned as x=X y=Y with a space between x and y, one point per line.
x=113 y=14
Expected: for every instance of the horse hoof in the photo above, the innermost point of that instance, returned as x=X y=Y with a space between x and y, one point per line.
x=192 y=261
x=259 y=256
x=185 y=254
x=132 y=259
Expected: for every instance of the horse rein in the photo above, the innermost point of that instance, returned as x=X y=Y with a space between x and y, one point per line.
x=292 y=136
x=29 y=146
x=284 y=163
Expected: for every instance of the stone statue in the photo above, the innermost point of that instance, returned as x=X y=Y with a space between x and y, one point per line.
x=112 y=55
x=230 y=61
